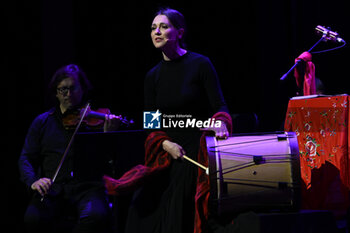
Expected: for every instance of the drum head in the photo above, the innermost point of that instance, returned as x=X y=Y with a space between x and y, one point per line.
x=257 y=172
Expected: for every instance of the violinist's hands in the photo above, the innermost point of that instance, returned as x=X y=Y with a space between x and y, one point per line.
x=112 y=122
x=42 y=186
x=174 y=149
x=220 y=132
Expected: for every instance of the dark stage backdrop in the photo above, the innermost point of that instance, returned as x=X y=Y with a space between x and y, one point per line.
x=251 y=44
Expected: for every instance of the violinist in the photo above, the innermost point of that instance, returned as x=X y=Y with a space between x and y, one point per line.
x=45 y=143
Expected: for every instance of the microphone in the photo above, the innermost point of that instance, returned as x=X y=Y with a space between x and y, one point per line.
x=328 y=34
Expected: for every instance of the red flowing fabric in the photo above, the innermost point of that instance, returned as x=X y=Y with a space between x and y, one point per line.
x=203 y=185
x=309 y=85
x=157 y=159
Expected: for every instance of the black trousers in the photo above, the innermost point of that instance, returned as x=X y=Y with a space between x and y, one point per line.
x=84 y=208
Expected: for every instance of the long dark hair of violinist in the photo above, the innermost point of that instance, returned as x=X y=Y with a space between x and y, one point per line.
x=70 y=71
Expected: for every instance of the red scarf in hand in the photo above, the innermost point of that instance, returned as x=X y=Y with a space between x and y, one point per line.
x=203 y=185
x=157 y=159
x=309 y=85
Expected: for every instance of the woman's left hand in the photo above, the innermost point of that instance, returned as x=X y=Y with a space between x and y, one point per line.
x=220 y=132
x=112 y=123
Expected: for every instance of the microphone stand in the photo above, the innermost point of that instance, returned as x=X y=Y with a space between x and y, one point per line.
x=299 y=61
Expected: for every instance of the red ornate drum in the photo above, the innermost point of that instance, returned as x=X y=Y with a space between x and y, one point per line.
x=256 y=172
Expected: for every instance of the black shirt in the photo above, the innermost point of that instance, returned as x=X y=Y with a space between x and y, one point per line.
x=45 y=143
x=186 y=85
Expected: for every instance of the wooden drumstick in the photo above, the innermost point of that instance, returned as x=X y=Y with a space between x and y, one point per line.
x=198 y=164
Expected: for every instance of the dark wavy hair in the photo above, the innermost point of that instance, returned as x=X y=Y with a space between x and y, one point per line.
x=177 y=20
x=67 y=71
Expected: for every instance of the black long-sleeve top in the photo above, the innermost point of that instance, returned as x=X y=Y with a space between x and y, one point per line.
x=43 y=148
x=186 y=85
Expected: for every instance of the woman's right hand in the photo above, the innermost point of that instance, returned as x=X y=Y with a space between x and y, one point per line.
x=174 y=149
x=42 y=186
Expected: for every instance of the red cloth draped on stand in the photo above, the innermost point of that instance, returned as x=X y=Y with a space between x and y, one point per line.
x=157 y=159
x=309 y=85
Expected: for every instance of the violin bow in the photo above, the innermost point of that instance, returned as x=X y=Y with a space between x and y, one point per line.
x=69 y=146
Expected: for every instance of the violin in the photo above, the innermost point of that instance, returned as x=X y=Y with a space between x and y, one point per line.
x=92 y=119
